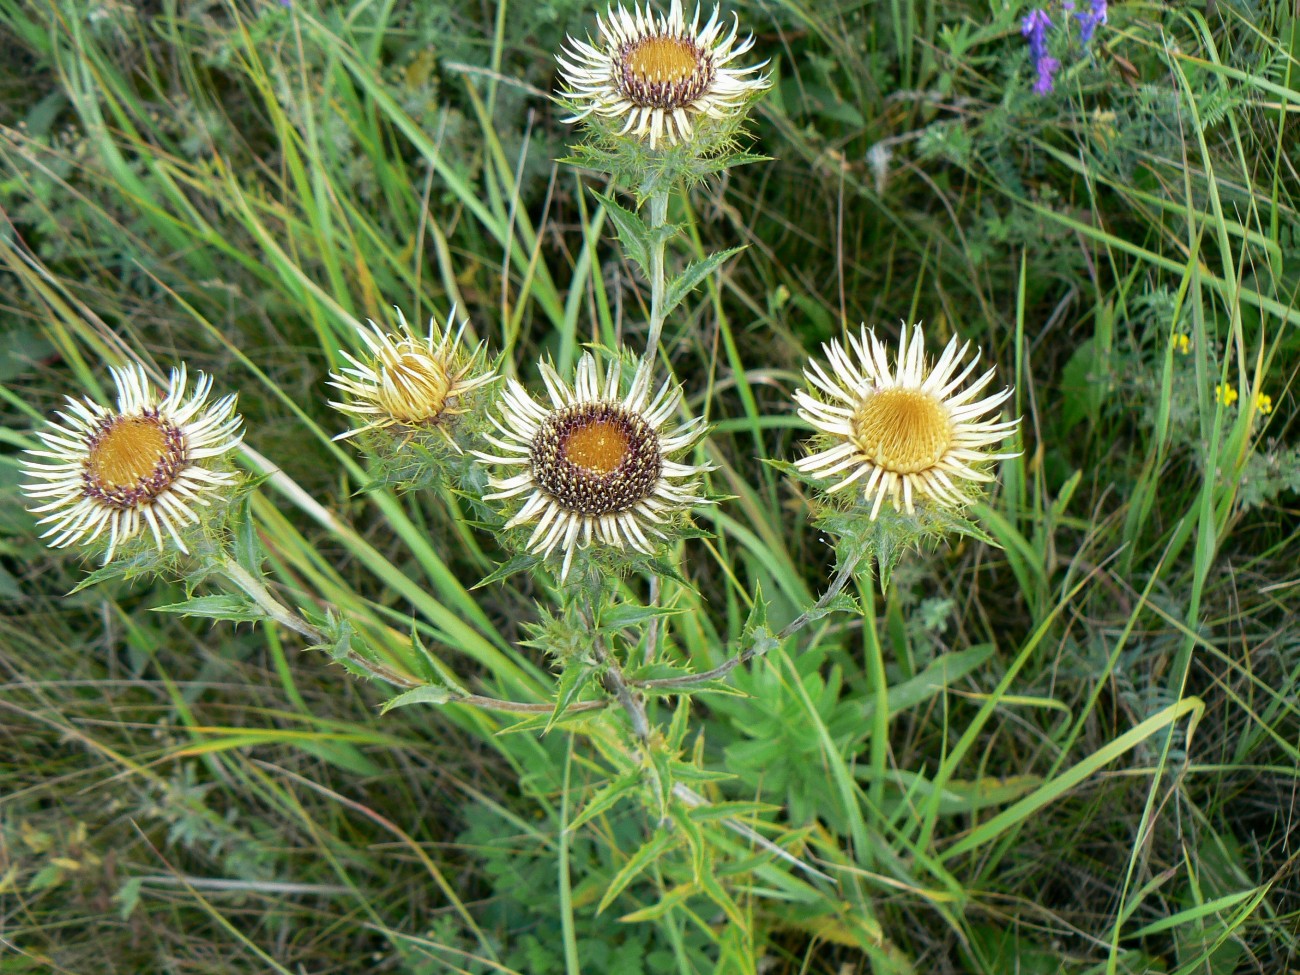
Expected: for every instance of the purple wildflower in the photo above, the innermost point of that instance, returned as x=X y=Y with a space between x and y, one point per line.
x=1089 y=19
x=1047 y=67
x=1034 y=27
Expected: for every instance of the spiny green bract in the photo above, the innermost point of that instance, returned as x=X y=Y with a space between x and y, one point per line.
x=715 y=147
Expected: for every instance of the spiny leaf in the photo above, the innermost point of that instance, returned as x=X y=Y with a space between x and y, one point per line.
x=633 y=233
x=236 y=609
x=694 y=836
x=248 y=548
x=625 y=615
x=575 y=676
x=426 y=694
x=650 y=851
x=520 y=563
x=673 y=898
x=689 y=280
x=605 y=798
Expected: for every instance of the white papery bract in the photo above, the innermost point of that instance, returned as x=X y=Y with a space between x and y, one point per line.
x=659 y=74
x=594 y=464
x=907 y=433
x=147 y=463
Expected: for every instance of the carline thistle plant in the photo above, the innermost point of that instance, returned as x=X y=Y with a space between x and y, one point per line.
x=409 y=384
x=914 y=432
x=591 y=479
x=657 y=77
x=596 y=462
x=153 y=462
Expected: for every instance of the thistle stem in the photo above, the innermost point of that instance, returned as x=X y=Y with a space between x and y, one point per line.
x=658 y=244
x=257 y=591
x=615 y=683
x=652 y=631
x=837 y=585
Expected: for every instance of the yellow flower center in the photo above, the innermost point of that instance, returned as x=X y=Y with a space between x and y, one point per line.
x=598 y=446
x=415 y=386
x=128 y=452
x=902 y=430
x=663 y=59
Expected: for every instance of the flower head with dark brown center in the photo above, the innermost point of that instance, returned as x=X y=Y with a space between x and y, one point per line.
x=595 y=462
x=147 y=463
x=658 y=74
x=907 y=433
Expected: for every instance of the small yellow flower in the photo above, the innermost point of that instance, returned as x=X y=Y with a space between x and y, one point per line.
x=1225 y=394
x=1264 y=403
x=1181 y=343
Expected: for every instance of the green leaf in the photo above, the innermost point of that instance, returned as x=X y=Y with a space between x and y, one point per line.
x=426 y=694
x=128 y=897
x=113 y=570
x=702 y=686
x=694 y=836
x=735 y=809
x=339 y=632
x=432 y=666
x=605 y=798
x=633 y=233
x=520 y=563
x=236 y=609
x=248 y=548
x=714 y=891
x=678 y=895
x=841 y=603
x=756 y=632
x=540 y=722
x=575 y=676
x=650 y=851
x=625 y=615
x=686 y=282
x=757 y=618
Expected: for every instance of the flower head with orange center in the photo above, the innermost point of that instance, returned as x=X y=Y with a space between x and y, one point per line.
x=657 y=74
x=595 y=461
x=408 y=382
x=910 y=433
x=147 y=463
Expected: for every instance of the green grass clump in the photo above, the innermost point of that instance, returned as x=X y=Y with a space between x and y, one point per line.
x=1076 y=752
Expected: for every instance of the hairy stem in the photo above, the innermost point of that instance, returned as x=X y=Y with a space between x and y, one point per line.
x=615 y=683
x=256 y=590
x=658 y=220
x=837 y=585
x=652 y=631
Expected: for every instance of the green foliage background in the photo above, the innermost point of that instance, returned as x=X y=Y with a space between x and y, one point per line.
x=1076 y=753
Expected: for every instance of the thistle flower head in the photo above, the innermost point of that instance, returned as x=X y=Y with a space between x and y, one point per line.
x=149 y=462
x=408 y=382
x=658 y=74
x=593 y=464
x=909 y=433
